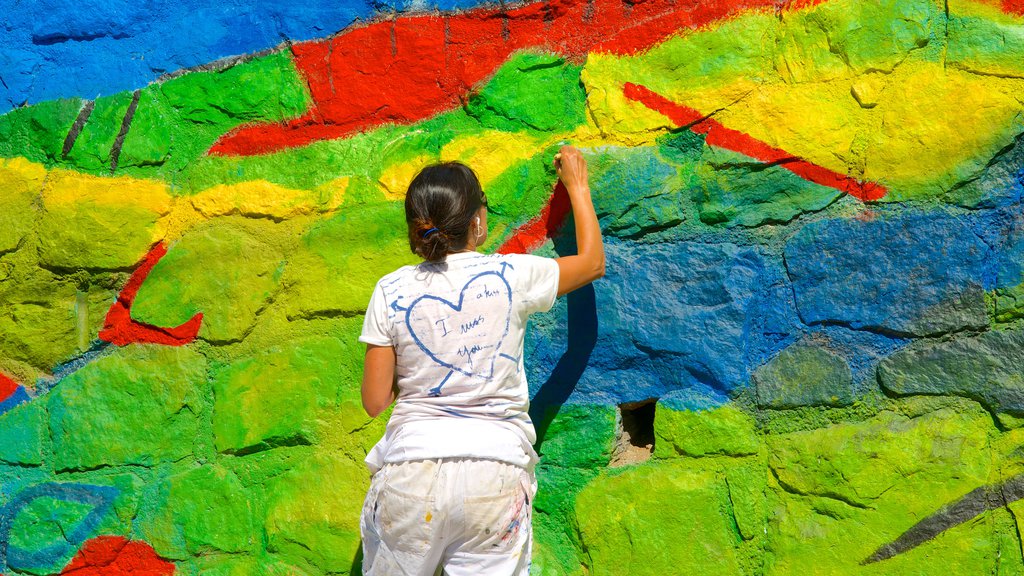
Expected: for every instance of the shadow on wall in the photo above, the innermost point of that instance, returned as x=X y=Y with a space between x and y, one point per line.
x=581 y=321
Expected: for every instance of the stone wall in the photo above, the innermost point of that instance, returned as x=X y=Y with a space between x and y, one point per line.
x=807 y=356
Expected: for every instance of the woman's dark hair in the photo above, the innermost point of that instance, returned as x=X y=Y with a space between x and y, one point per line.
x=439 y=208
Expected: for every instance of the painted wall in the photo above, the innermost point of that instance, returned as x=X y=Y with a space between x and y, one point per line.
x=815 y=269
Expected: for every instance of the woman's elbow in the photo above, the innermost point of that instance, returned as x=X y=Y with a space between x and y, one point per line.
x=374 y=408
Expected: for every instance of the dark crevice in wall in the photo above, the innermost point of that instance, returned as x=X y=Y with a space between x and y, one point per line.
x=636 y=433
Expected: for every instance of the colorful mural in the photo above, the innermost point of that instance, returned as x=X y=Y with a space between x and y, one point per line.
x=805 y=357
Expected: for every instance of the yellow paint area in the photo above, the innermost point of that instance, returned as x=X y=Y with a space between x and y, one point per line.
x=69 y=188
x=395 y=179
x=253 y=199
x=20 y=176
x=65 y=190
x=927 y=127
x=491 y=152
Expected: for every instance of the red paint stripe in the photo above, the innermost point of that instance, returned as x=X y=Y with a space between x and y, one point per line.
x=718 y=135
x=7 y=388
x=534 y=233
x=405 y=70
x=120 y=329
x=117 y=556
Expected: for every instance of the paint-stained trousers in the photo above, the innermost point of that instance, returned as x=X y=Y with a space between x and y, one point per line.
x=465 y=516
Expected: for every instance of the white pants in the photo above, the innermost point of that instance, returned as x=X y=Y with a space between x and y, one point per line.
x=467 y=516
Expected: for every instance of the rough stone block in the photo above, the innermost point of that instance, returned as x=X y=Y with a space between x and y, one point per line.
x=696 y=529
x=225 y=270
x=22 y=432
x=85 y=222
x=839 y=493
x=276 y=398
x=138 y=405
x=803 y=375
x=313 y=515
x=915 y=274
x=986 y=368
x=532 y=90
x=725 y=430
x=201 y=511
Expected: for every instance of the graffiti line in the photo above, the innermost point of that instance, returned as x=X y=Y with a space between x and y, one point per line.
x=972 y=505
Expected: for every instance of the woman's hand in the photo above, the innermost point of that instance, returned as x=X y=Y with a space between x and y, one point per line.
x=572 y=170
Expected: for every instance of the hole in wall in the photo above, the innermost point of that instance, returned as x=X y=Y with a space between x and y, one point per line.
x=635 y=441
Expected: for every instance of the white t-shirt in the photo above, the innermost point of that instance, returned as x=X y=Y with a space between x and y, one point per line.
x=457 y=328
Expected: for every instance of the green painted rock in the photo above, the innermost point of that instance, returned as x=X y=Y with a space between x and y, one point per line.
x=725 y=430
x=22 y=430
x=654 y=199
x=734 y=190
x=804 y=375
x=275 y=398
x=840 y=493
x=37 y=132
x=45 y=319
x=313 y=514
x=665 y=518
x=138 y=405
x=201 y=511
x=324 y=280
x=578 y=436
x=535 y=91
x=226 y=269
x=178 y=120
x=986 y=368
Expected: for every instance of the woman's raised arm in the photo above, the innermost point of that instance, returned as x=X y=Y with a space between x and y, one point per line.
x=587 y=264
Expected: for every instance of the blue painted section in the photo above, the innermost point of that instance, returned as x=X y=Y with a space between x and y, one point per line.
x=888 y=274
x=20 y=395
x=671 y=317
x=101 y=498
x=87 y=48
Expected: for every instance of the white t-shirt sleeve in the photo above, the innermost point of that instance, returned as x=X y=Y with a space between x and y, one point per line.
x=537 y=282
x=376 y=325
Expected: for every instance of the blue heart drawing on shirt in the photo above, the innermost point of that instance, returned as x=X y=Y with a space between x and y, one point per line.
x=461 y=341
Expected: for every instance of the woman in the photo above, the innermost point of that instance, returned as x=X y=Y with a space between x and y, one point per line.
x=453 y=477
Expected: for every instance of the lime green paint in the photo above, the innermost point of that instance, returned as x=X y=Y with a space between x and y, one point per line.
x=1007 y=303
x=627 y=530
x=81 y=235
x=323 y=281
x=276 y=398
x=40 y=316
x=226 y=270
x=313 y=512
x=725 y=430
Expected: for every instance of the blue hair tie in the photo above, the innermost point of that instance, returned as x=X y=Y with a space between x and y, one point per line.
x=429 y=232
